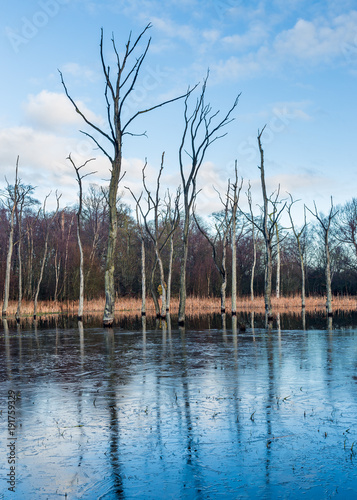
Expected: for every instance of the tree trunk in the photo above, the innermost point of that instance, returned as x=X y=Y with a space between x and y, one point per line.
x=8 y=263
x=162 y=283
x=35 y=300
x=108 y=317
x=253 y=264
x=224 y=279
x=302 y=265
x=234 y=265
x=29 y=264
x=47 y=230
x=328 y=278
x=267 y=283
x=169 y=276
x=267 y=238
x=81 y=272
x=143 y=278
x=19 y=255
x=278 y=263
x=57 y=274
x=183 y=296
x=153 y=290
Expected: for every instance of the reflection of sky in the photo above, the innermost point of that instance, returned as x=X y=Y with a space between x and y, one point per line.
x=201 y=416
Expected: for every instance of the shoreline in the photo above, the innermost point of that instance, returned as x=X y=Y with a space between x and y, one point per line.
x=194 y=306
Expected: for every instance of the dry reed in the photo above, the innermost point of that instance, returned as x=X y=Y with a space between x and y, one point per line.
x=194 y=305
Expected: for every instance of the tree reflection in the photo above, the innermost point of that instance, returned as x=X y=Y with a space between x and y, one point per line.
x=114 y=425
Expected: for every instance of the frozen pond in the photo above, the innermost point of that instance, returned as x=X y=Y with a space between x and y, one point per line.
x=156 y=412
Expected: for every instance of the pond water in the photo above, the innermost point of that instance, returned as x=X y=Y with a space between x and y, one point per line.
x=155 y=412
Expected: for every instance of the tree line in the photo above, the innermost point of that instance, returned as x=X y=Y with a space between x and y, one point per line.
x=163 y=247
x=45 y=254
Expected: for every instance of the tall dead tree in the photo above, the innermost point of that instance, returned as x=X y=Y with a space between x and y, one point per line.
x=269 y=220
x=199 y=133
x=234 y=200
x=143 y=259
x=47 y=222
x=79 y=227
x=219 y=244
x=18 y=198
x=158 y=231
x=117 y=92
x=254 y=242
x=268 y=236
x=24 y=200
x=299 y=235
x=325 y=223
x=12 y=207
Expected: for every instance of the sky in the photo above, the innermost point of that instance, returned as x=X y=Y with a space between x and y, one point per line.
x=293 y=63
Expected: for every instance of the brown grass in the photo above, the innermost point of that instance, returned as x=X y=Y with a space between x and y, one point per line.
x=194 y=305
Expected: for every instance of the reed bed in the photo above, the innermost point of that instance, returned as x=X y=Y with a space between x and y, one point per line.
x=194 y=305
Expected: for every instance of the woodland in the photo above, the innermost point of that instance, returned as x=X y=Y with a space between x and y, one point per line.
x=163 y=248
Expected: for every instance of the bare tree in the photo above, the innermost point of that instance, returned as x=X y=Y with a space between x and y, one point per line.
x=24 y=200
x=143 y=263
x=270 y=218
x=12 y=207
x=18 y=199
x=79 y=228
x=158 y=232
x=299 y=235
x=234 y=200
x=172 y=222
x=223 y=221
x=325 y=224
x=346 y=224
x=116 y=94
x=278 y=261
x=199 y=133
x=47 y=224
x=95 y=216
x=254 y=242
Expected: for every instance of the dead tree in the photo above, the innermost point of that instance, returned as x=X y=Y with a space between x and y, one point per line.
x=95 y=215
x=299 y=235
x=220 y=240
x=24 y=201
x=268 y=236
x=47 y=224
x=234 y=200
x=172 y=221
x=254 y=242
x=325 y=223
x=79 y=227
x=199 y=133
x=18 y=198
x=117 y=93
x=278 y=261
x=270 y=221
x=12 y=207
x=158 y=232
x=270 y=218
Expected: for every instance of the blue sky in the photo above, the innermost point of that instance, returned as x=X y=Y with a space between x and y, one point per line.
x=293 y=61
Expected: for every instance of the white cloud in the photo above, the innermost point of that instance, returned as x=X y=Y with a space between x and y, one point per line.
x=43 y=161
x=318 y=41
x=52 y=112
x=321 y=41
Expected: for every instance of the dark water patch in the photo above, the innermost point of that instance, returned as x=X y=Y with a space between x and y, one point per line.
x=249 y=320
